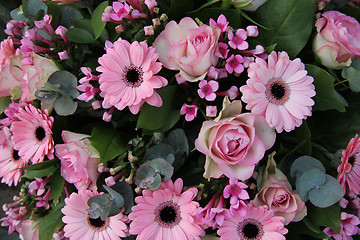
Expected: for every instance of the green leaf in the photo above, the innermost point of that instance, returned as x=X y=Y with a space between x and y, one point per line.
x=56 y=185
x=97 y=24
x=327 y=194
x=303 y=133
x=79 y=35
x=40 y=172
x=108 y=142
x=155 y=118
x=325 y=98
x=50 y=222
x=4 y=103
x=326 y=217
x=289 y=24
x=68 y=14
x=24 y=6
x=232 y=15
x=184 y=5
x=42 y=165
x=353 y=76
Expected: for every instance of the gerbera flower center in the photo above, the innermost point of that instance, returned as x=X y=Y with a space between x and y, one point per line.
x=168 y=214
x=97 y=224
x=277 y=91
x=351 y=160
x=133 y=76
x=40 y=133
x=15 y=155
x=250 y=229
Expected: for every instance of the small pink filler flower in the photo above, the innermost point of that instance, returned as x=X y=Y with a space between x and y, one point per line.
x=78 y=225
x=166 y=213
x=128 y=76
x=280 y=90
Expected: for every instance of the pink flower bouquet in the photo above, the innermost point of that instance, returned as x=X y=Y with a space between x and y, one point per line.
x=180 y=119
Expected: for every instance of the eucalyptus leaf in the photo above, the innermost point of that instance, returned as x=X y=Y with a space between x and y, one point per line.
x=34 y=6
x=325 y=98
x=159 y=151
x=118 y=199
x=47 y=97
x=162 y=167
x=327 y=194
x=126 y=192
x=311 y=179
x=304 y=164
x=65 y=106
x=178 y=141
x=147 y=178
x=66 y=81
x=108 y=142
x=50 y=222
x=68 y=14
x=288 y=23
x=17 y=14
x=96 y=19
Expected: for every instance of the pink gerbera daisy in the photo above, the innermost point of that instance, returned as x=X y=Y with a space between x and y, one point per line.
x=32 y=135
x=280 y=90
x=349 y=168
x=10 y=161
x=258 y=223
x=79 y=226
x=128 y=76
x=166 y=213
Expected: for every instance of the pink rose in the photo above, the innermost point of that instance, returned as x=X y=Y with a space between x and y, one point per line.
x=232 y=144
x=337 y=40
x=79 y=160
x=10 y=72
x=188 y=47
x=277 y=194
x=36 y=71
x=27 y=230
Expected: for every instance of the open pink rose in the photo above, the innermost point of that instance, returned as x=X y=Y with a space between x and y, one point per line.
x=337 y=40
x=79 y=160
x=10 y=72
x=232 y=144
x=188 y=47
x=36 y=71
x=277 y=194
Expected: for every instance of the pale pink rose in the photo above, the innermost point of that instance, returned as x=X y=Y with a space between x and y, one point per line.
x=232 y=144
x=79 y=160
x=10 y=72
x=188 y=47
x=277 y=194
x=36 y=71
x=338 y=39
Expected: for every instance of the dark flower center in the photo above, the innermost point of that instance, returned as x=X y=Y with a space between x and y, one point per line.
x=278 y=91
x=351 y=160
x=97 y=222
x=168 y=214
x=15 y=155
x=133 y=76
x=250 y=229
x=40 y=133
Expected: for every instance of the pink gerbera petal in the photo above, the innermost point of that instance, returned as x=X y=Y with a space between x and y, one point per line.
x=273 y=90
x=127 y=78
